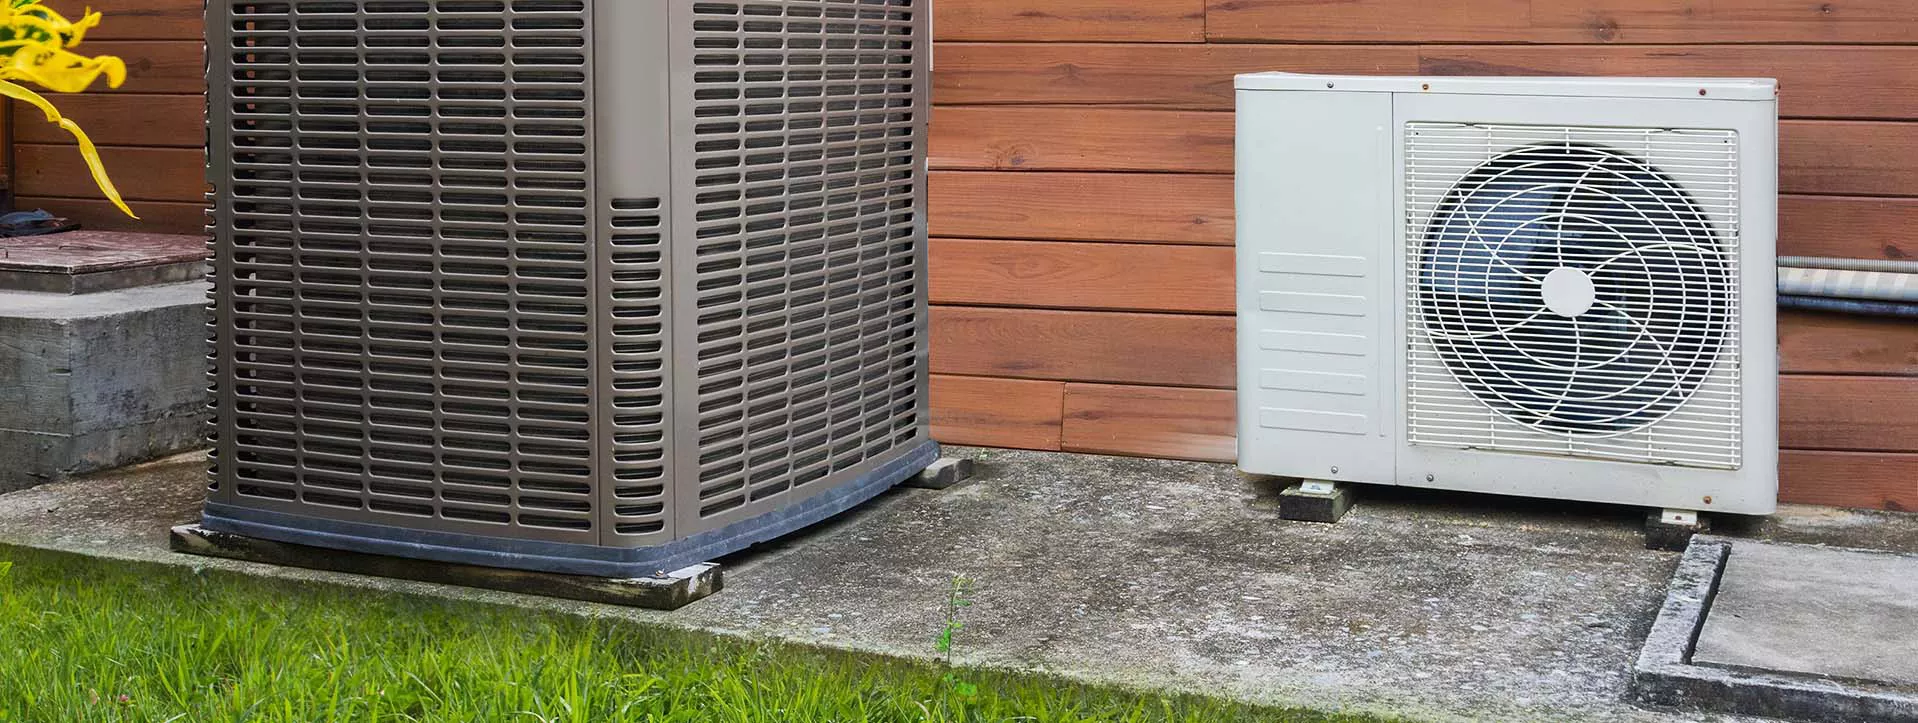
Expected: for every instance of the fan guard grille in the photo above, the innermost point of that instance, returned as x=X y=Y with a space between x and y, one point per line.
x=1574 y=291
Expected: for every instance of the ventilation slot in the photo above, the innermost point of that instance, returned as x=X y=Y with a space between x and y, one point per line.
x=409 y=249
x=637 y=288
x=806 y=273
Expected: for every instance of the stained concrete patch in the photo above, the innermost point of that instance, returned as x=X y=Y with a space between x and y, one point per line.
x=1143 y=573
x=1834 y=613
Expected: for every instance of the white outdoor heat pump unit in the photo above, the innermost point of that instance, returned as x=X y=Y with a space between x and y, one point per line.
x=604 y=287
x=1548 y=287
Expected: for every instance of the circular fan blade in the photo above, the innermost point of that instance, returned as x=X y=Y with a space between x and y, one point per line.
x=1574 y=289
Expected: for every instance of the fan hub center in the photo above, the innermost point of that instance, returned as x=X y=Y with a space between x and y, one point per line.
x=1568 y=292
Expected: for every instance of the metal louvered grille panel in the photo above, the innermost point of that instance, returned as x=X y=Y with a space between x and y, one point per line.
x=636 y=299
x=407 y=233
x=1574 y=291
x=807 y=283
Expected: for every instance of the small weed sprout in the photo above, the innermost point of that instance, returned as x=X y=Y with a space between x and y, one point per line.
x=958 y=598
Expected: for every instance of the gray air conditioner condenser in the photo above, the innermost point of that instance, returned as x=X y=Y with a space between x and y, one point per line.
x=597 y=287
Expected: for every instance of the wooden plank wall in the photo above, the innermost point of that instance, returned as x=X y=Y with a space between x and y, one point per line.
x=149 y=130
x=1082 y=192
x=1082 y=200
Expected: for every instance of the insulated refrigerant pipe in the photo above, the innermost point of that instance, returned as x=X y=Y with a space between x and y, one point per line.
x=1866 y=307
x=1851 y=286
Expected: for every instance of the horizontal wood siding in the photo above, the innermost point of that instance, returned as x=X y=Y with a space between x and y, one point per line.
x=1082 y=196
x=149 y=130
x=1082 y=202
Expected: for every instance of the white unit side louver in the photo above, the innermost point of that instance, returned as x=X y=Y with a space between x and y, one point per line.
x=1549 y=287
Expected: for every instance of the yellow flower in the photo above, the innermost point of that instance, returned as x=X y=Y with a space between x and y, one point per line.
x=34 y=47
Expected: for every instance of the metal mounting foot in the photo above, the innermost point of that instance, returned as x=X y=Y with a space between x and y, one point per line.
x=1672 y=530
x=1315 y=501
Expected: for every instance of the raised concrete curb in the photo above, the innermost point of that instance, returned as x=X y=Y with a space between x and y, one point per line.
x=671 y=591
x=99 y=380
x=1665 y=676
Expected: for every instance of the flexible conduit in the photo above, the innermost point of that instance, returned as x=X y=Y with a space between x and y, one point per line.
x=1851 y=286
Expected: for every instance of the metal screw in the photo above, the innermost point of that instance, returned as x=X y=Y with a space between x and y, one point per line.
x=1425 y=86
x=1708 y=499
x=1431 y=478
x=1335 y=469
x=1328 y=85
x=1701 y=91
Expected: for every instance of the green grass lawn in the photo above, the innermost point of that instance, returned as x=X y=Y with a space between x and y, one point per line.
x=87 y=640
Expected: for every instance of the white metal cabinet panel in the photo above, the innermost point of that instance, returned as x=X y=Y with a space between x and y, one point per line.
x=1343 y=183
x=1311 y=266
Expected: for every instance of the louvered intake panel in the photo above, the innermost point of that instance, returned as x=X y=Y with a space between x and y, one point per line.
x=405 y=204
x=636 y=302
x=803 y=285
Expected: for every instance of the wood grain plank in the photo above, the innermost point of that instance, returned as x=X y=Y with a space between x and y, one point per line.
x=1727 y=21
x=167 y=121
x=1816 y=156
x=1817 y=343
x=1865 y=414
x=150 y=20
x=1080 y=139
x=1848 y=157
x=146 y=174
x=93 y=213
x=988 y=412
x=1124 y=207
x=1878 y=481
x=1816 y=81
x=1078 y=275
x=1367 y=21
x=1175 y=423
x=155 y=66
x=1848 y=227
x=1589 y=21
x=1136 y=21
x=1183 y=75
x=1819 y=81
x=1088 y=346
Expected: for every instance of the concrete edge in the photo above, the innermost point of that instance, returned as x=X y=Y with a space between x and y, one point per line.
x=1665 y=677
x=669 y=591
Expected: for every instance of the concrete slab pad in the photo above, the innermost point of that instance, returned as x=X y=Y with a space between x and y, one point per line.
x=1670 y=671
x=1846 y=614
x=1142 y=573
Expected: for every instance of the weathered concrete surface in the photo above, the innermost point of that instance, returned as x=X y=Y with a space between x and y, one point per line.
x=1146 y=573
x=1833 y=613
x=98 y=381
x=1669 y=672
